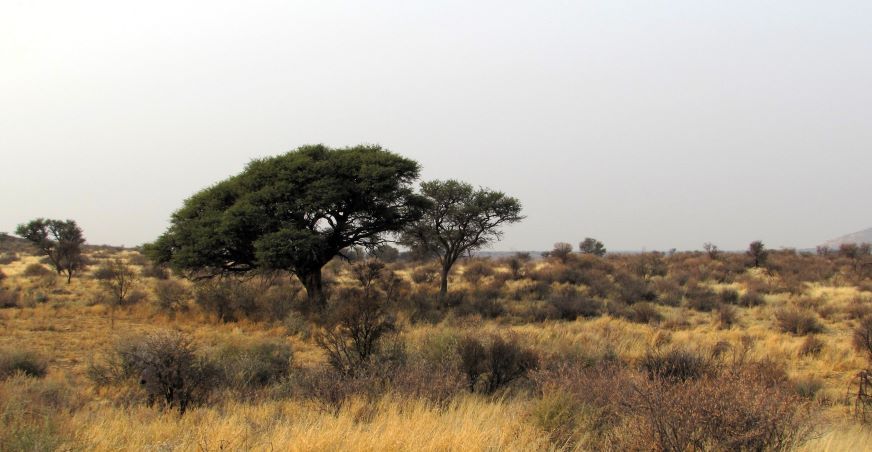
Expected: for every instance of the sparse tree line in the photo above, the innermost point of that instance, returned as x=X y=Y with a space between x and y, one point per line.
x=275 y=242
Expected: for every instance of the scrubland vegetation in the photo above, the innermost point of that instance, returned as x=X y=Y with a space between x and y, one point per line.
x=682 y=351
x=273 y=315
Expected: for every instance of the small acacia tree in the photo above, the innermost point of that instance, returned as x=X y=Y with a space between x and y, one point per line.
x=60 y=241
x=293 y=212
x=592 y=246
x=118 y=279
x=561 y=251
x=460 y=220
x=757 y=251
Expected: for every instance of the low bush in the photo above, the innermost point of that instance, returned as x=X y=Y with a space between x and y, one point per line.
x=751 y=298
x=489 y=367
x=36 y=271
x=171 y=296
x=9 y=298
x=726 y=316
x=252 y=365
x=158 y=272
x=226 y=298
x=569 y=305
x=164 y=363
x=862 y=338
x=676 y=365
x=728 y=411
x=643 y=313
x=21 y=361
x=30 y=412
x=354 y=329
x=811 y=346
x=702 y=298
x=797 y=321
x=8 y=258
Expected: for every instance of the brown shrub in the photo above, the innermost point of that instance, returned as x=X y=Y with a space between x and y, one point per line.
x=811 y=346
x=863 y=337
x=489 y=367
x=797 y=321
x=353 y=331
x=9 y=298
x=36 y=271
x=730 y=411
x=726 y=316
x=172 y=296
x=21 y=361
x=751 y=298
x=676 y=365
x=643 y=313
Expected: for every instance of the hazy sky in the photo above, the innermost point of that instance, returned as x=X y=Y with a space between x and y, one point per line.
x=646 y=124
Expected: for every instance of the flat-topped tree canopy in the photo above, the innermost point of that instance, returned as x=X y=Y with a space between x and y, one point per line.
x=293 y=212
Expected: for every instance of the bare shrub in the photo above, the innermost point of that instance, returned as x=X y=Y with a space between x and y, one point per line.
x=643 y=313
x=136 y=296
x=252 y=365
x=561 y=251
x=489 y=367
x=227 y=298
x=702 y=298
x=36 y=271
x=21 y=361
x=569 y=305
x=9 y=298
x=726 y=316
x=751 y=298
x=8 y=258
x=117 y=278
x=676 y=365
x=172 y=295
x=159 y=272
x=862 y=338
x=811 y=346
x=859 y=307
x=630 y=288
x=425 y=274
x=353 y=331
x=730 y=411
x=164 y=363
x=477 y=269
x=797 y=321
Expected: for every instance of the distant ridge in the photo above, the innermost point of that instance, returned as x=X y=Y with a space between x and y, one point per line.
x=864 y=236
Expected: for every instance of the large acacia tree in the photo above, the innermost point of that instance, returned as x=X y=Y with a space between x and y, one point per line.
x=460 y=220
x=293 y=212
x=58 y=240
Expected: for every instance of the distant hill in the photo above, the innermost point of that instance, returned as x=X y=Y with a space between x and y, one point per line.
x=864 y=236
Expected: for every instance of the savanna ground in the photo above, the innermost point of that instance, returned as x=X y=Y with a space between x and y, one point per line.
x=624 y=352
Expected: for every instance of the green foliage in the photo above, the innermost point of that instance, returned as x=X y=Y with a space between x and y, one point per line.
x=293 y=212
x=60 y=241
x=592 y=246
x=460 y=220
x=758 y=253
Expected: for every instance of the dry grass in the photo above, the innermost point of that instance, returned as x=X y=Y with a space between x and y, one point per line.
x=69 y=332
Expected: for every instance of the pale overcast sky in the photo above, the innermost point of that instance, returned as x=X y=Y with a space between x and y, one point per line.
x=646 y=124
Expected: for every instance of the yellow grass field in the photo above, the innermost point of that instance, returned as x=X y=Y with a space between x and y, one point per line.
x=66 y=411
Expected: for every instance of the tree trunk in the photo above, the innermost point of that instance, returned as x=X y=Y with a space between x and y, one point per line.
x=314 y=288
x=69 y=276
x=443 y=287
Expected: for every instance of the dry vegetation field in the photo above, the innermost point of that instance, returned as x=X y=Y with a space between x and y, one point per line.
x=624 y=352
